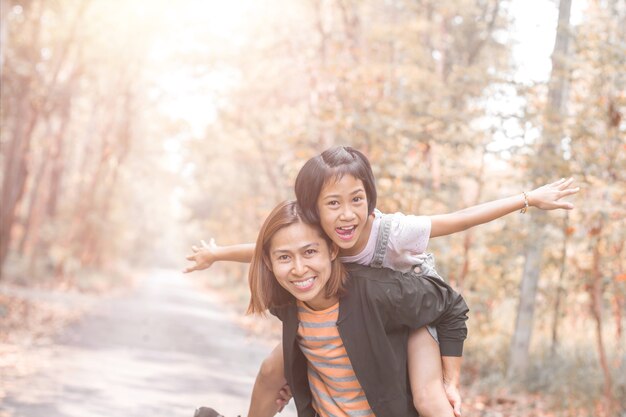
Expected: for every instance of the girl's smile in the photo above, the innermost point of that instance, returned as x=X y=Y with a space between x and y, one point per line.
x=342 y=206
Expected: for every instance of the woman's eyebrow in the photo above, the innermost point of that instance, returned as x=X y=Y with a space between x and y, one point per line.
x=305 y=247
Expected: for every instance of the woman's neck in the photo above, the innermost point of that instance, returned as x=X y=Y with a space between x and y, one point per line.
x=323 y=304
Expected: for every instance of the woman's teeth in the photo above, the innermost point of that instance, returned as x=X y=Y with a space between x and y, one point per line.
x=304 y=284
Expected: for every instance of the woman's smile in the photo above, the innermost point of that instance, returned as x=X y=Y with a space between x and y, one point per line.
x=301 y=262
x=305 y=284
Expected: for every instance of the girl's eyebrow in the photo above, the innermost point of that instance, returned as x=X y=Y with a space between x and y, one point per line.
x=358 y=190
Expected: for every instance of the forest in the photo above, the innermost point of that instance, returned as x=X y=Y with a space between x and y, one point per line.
x=130 y=130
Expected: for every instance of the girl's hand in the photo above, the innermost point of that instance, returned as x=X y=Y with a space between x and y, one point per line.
x=547 y=197
x=418 y=260
x=203 y=256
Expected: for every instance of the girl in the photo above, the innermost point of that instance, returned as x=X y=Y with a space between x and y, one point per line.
x=337 y=190
x=344 y=336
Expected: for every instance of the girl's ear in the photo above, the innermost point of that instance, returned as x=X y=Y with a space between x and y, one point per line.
x=334 y=251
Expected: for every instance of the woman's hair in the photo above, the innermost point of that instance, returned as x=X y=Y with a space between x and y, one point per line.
x=332 y=164
x=265 y=291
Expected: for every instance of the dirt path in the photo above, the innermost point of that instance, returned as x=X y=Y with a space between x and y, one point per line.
x=160 y=351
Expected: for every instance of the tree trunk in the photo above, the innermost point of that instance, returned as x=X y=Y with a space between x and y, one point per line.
x=595 y=294
x=35 y=196
x=468 y=240
x=520 y=344
x=16 y=173
x=542 y=169
x=559 y=288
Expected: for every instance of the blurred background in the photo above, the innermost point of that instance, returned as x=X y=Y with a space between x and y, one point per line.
x=130 y=129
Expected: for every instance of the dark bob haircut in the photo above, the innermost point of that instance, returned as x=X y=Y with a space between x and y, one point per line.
x=332 y=164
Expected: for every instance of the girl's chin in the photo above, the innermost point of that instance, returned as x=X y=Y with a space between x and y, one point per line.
x=348 y=248
x=345 y=244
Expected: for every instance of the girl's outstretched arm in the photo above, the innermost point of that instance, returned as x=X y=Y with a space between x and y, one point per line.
x=546 y=197
x=205 y=255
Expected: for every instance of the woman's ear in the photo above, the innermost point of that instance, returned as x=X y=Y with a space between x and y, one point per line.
x=267 y=263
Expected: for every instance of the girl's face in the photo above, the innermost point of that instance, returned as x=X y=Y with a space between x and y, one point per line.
x=301 y=262
x=342 y=205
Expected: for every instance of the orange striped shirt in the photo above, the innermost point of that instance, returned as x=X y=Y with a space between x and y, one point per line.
x=335 y=389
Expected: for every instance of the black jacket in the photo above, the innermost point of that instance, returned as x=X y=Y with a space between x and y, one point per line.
x=379 y=309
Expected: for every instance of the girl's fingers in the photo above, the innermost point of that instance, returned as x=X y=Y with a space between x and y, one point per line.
x=210 y=245
x=565 y=193
x=566 y=184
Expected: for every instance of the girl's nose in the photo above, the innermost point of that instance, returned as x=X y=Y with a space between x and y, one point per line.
x=347 y=214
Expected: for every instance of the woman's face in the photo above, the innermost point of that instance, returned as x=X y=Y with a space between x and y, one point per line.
x=301 y=262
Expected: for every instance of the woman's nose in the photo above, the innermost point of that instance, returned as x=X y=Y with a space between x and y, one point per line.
x=299 y=267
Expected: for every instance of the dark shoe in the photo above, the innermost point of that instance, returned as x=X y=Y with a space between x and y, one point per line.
x=206 y=412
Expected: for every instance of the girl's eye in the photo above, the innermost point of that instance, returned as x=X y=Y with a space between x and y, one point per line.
x=358 y=199
x=333 y=203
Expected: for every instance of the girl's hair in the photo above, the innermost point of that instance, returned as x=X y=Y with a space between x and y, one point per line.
x=265 y=291
x=332 y=164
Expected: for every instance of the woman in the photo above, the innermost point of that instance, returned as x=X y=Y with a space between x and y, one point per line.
x=345 y=330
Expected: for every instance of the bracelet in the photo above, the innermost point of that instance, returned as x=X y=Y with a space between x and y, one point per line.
x=523 y=210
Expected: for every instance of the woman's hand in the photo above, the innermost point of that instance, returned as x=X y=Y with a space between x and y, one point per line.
x=547 y=197
x=284 y=395
x=203 y=256
x=454 y=396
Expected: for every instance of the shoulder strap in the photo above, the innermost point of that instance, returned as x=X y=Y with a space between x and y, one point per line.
x=381 y=242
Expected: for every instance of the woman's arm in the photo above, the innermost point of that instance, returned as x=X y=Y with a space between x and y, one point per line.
x=546 y=198
x=451 y=381
x=207 y=254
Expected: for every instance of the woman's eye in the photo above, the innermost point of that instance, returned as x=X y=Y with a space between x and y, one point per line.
x=357 y=199
x=333 y=203
x=283 y=258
